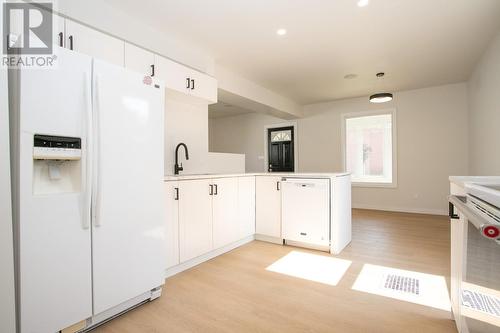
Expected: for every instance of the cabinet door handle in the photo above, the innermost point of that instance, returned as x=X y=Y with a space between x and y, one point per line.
x=176 y=194
x=61 y=39
x=451 y=212
x=188 y=83
x=277 y=186
x=70 y=42
x=211 y=190
x=216 y=189
x=152 y=70
x=192 y=84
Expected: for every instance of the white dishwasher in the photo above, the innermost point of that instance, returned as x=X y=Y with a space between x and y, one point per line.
x=305 y=210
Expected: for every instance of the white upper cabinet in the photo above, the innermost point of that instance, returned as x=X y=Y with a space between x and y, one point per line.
x=173 y=74
x=186 y=81
x=85 y=40
x=225 y=211
x=139 y=60
x=57 y=29
x=202 y=86
x=268 y=206
x=182 y=80
x=246 y=206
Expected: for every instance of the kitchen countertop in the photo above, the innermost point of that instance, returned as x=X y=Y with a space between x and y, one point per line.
x=463 y=180
x=282 y=174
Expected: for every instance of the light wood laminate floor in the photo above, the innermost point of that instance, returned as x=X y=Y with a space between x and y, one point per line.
x=235 y=293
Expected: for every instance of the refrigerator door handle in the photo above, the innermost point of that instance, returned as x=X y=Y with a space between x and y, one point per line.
x=87 y=204
x=97 y=157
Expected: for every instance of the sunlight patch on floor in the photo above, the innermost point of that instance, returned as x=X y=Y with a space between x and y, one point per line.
x=312 y=267
x=480 y=303
x=415 y=287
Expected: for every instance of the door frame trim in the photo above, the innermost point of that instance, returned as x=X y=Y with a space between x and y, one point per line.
x=295 y=143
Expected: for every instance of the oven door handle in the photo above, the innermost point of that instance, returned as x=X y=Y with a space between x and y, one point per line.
x=487 y=230
x=471 y=215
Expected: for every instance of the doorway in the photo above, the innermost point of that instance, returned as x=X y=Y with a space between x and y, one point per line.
x=280 y=149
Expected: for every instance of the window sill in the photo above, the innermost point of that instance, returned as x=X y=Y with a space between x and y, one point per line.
x=375 y=185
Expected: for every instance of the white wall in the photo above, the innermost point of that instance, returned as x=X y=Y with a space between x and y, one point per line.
x=484 y=113
x=226 y=163
x=7 y=302
x=100 y=15
x=241 y=134
x=432 y=144
x=186 y=122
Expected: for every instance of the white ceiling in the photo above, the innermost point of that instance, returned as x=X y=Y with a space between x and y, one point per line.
x=418 y=43
x=223 y=109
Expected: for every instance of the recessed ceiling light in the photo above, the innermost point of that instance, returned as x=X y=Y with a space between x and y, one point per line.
x=281 y=32
x=350 y=76
x=363 y=3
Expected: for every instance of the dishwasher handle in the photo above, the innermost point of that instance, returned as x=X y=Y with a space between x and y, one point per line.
x=299 y=182
x=307 y=182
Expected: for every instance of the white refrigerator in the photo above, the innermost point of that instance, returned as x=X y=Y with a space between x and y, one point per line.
x=87 y=139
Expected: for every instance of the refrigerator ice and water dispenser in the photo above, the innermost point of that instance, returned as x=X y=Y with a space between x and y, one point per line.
x=56 y=164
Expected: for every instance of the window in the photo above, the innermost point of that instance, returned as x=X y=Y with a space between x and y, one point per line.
x=369 y=148
x=280 y=136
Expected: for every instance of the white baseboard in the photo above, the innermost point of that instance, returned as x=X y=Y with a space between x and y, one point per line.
x=323 y=248
x=402 y=209
x=269 y=239
x=205 y=257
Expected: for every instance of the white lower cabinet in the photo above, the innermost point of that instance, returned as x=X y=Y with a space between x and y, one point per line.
x=195 y=218
x=225 y=211
x=268 y=206
x=207 y=214
x=172 y=224
x=246 y=206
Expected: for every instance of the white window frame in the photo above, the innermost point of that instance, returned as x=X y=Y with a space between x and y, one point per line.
x=392 y=112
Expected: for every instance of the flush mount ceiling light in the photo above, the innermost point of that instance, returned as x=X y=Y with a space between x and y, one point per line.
x=382 y=97
x=363 y=3
x=281 y=32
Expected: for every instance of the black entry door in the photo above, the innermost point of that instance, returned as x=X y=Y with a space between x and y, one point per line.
x=281 y=149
